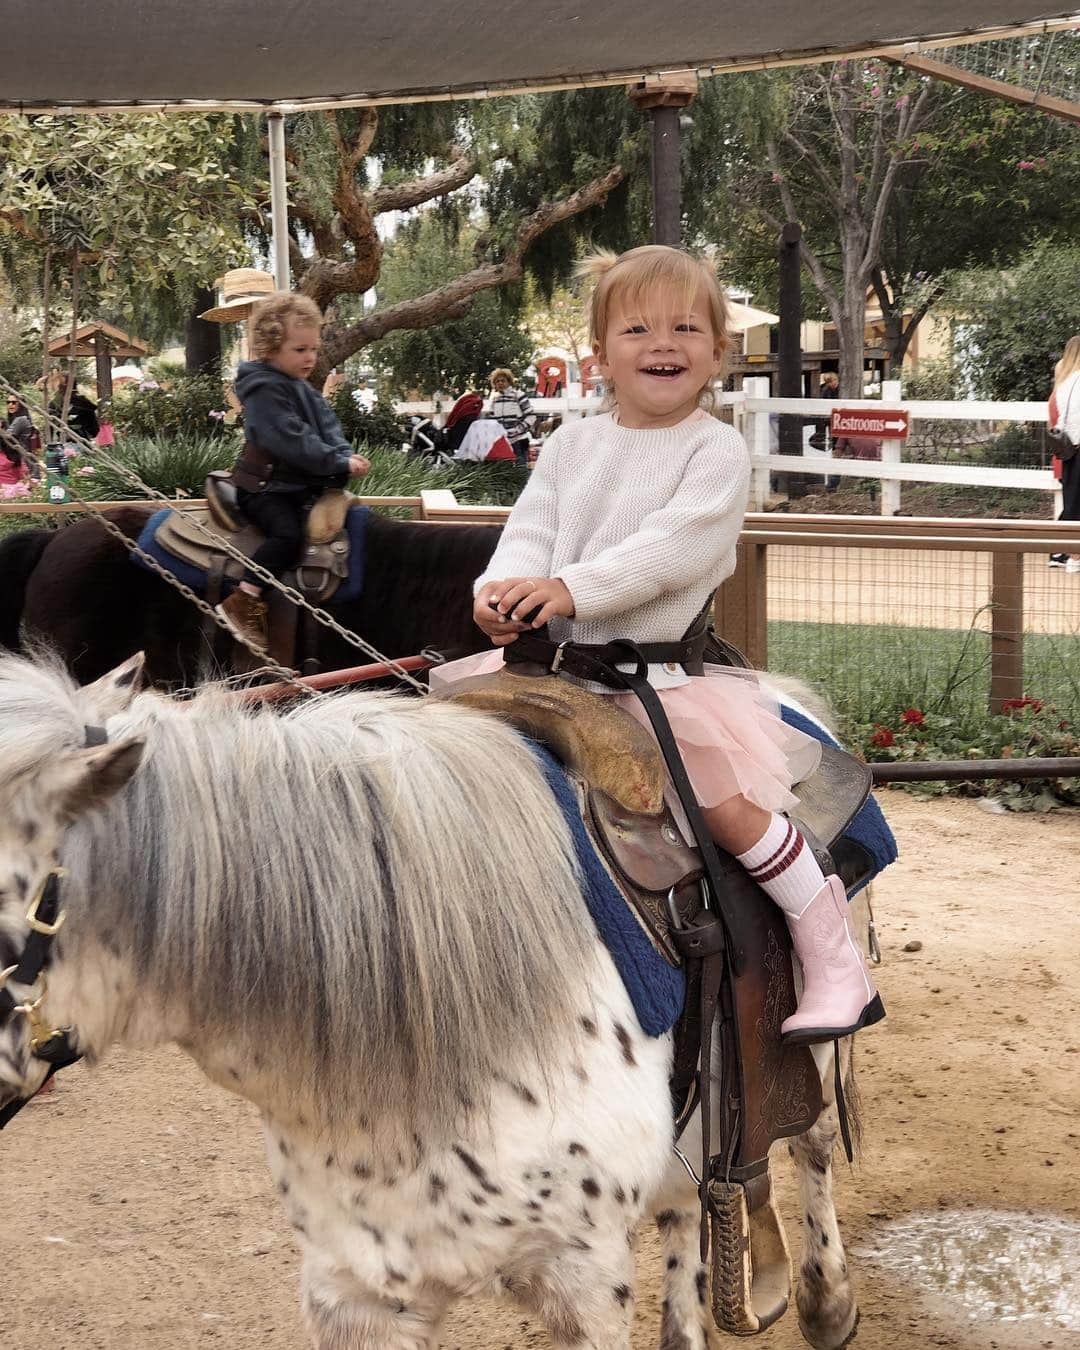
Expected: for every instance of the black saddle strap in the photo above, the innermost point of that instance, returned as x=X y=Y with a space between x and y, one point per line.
x=712 y=942
x=583 y=663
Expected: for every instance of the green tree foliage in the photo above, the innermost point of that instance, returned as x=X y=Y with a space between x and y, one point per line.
x=896 y=181
x=146 y=200
x=458 y=353
x=190 y=406
x=1016 y=323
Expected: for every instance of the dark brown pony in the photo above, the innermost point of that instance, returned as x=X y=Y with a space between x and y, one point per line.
x=79 y=591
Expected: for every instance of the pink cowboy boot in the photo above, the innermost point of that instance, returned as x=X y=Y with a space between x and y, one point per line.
x=838 y=994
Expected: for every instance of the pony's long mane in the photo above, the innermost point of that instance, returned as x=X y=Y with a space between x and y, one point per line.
x=371 y=896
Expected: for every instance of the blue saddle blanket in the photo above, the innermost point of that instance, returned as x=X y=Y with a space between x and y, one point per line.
x=353 y=585
x=656 y=989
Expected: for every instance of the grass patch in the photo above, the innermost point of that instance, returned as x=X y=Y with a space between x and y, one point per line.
x=872 y=673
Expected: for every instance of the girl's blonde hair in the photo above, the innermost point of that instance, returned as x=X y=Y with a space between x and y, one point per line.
x=507 y=375
x=636 y=277
x=1070 y=361
x=270 y=317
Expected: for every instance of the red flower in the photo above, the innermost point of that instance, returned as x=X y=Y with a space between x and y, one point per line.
x=1011 y=705
x=912 y=717
x=882 y=737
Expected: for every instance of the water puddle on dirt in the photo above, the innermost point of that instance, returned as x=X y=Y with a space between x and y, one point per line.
x=996 y=1266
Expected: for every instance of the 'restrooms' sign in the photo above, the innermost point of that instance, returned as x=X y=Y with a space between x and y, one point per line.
x=888 y=424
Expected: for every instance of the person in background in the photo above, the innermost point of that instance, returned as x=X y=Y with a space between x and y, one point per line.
x=510 y=407
x=18 y=441
x=1064 y=413
x=17 y=423
x=82 y=412
x=828 y=388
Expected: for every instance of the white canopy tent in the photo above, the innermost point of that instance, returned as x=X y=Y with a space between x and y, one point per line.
x=278 y=56
x=68 y=55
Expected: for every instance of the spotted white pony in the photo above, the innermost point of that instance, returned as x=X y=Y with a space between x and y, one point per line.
x=455 y=1092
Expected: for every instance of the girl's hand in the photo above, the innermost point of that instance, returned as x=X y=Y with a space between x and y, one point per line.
x=520 y=596
x=501 y=630
x=359 y=465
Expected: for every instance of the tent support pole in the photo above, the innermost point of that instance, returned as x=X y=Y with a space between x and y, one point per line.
x=664 y=99
x=279 y=206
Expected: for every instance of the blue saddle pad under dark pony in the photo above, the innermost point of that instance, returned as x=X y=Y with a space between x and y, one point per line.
x=656 y=989
x=355 y=524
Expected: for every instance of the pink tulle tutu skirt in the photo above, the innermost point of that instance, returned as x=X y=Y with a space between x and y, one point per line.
x=728 y=728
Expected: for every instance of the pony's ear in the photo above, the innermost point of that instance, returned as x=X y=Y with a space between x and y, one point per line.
x=90 y=777
x=113 y=692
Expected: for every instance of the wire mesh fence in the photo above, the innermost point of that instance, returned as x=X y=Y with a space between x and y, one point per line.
x=943 y=631
x=1043 y=62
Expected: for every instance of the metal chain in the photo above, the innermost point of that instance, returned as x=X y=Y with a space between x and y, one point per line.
x=320 y=615
x=283 y=672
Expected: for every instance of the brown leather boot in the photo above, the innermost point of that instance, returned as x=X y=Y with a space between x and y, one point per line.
x=245 y=616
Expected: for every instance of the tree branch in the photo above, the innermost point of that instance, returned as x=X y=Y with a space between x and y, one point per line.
x=812 y=158
x=404 y=196
x=447 y=301
x=896 y=161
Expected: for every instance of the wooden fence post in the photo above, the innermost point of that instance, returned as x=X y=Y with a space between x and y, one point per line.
x=891 y=453
x=1006 y=628
x=740 y=610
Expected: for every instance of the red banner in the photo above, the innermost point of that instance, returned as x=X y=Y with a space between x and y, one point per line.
x=887 y=424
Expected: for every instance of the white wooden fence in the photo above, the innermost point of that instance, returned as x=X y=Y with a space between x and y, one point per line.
x=752 y=409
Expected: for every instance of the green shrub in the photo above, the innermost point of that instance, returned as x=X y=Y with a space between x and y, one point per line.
x=394 y=474
x=1028 y=729
x=1020 y=445
x=178 y=464
x=380 y=427
x=186 y=409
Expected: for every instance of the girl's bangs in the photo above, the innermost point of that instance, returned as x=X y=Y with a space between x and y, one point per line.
x=645 y=287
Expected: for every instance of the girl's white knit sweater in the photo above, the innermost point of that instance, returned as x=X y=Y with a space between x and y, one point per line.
x=640 y=525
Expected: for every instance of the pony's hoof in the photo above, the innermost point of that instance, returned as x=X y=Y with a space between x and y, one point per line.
x=831 y=1336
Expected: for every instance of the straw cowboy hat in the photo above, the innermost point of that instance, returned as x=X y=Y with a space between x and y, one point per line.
x=240 y=289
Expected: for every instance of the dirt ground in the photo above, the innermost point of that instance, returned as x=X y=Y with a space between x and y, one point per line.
x=138 y=1215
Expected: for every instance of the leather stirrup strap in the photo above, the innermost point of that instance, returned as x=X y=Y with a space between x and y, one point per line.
x=712 y=939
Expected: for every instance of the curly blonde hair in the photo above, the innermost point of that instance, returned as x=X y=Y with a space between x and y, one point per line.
x=636 y=278
x=270 y=317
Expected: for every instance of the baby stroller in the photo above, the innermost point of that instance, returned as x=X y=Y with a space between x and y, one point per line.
x=471 y=437
x=467 y=436
x=425 y=440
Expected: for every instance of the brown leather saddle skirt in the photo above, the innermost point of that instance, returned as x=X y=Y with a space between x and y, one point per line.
x=192 y=537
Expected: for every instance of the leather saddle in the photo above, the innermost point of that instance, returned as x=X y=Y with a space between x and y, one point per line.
x=322 y=569
x=767 y=1091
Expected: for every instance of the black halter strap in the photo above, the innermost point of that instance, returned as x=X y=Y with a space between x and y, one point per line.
x=59 y=1051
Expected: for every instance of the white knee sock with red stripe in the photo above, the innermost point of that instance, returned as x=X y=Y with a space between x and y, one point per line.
x=783 y=865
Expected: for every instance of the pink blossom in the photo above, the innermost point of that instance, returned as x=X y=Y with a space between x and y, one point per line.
x=12 y=490
x=778 y=177
x=903 y=100
x=1025 y=163
x=70 y=452
x=876 y=91
x=85 y=471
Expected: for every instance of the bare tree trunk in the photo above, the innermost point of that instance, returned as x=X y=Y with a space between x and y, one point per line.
x=46 y=288
x=70 y=386
x=202 y=340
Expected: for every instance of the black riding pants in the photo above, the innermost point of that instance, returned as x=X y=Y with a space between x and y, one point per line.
x=1070 y=489
x=280 y=516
